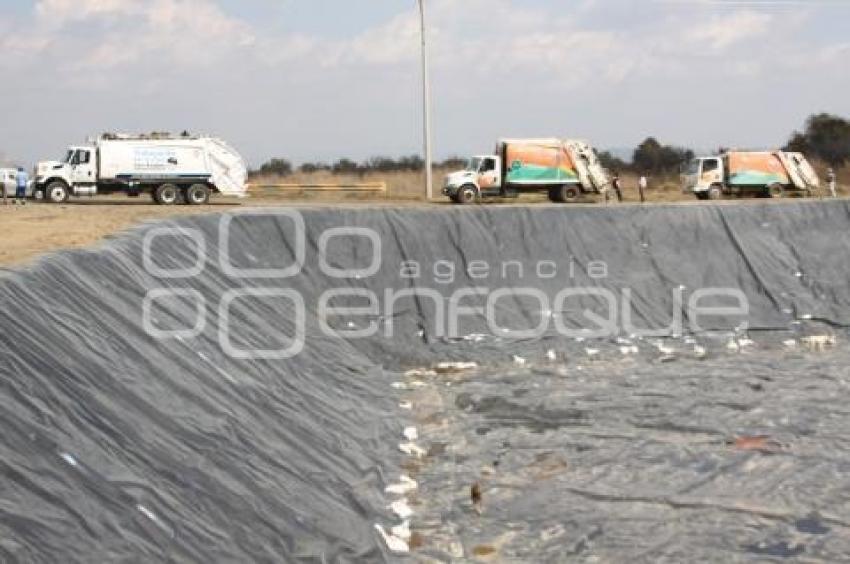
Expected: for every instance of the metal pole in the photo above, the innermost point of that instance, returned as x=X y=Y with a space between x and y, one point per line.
x=426 y=102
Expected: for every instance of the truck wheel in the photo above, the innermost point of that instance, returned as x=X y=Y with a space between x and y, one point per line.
x=467 y=194
x=566 y=194
x=197 y=195
x=702 y=195
x=715 y=193
x=57 y=193
x=166 y=195
x=555 y=194
x=775 y=191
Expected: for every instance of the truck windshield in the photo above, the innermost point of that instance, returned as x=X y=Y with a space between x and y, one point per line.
x=474 y=164
x=68 y=156
x=693 y=167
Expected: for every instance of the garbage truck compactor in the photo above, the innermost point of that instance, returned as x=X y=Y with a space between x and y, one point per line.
x=171 y=169
x=565 y=169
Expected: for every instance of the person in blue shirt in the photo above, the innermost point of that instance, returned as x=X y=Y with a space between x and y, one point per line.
x=22 y=179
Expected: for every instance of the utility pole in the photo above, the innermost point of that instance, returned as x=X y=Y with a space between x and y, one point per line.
x=426 y=103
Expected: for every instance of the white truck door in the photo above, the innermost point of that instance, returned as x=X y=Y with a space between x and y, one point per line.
x=711 y=173
x=10 y=183
x=82 y=167
x=489 y=175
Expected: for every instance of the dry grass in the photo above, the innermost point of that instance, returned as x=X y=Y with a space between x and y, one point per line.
x=408 y=186
x=401 y=186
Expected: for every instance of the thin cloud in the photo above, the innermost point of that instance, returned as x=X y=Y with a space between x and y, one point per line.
x=722 y=32
x=612 y=71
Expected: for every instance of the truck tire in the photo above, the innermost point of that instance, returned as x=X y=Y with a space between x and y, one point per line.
x=701 y=195
x=566 y=194
x=166 y=195
x=775 y=191
x=57 y=192
x=554 y=194
x=467 y=194
x=715 y=192
x=197 y=195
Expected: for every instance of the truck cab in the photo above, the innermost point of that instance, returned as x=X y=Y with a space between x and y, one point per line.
x=481 y=176
x=76 y=174
x=704 y=177
x=83 y=166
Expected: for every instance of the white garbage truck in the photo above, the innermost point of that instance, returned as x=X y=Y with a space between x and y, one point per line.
x=565 y=169
x=172 y=169
x=769 y=174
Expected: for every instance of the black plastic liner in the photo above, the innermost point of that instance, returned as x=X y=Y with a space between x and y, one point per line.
x=118 y=445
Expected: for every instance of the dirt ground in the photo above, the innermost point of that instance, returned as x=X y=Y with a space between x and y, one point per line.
x=36 y=228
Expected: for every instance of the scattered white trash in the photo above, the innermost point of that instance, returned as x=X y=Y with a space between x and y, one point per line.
x=394 y=543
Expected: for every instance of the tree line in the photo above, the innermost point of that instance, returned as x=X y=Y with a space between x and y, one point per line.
x=825 y=137
x=650 y=157
x=411 y=163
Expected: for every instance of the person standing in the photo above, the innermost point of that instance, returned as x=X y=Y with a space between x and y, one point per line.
x=616 y=185
x=830 y=179
x=642 y=185
x=22 y=179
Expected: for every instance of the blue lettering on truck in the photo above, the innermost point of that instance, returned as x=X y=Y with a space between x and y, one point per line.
x=154 y=158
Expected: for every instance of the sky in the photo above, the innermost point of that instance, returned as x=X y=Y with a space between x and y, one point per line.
x=322 y=79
